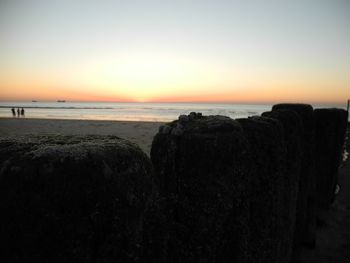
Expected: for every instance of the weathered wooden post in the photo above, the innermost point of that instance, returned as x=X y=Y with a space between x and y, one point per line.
x=330 y=128
x=267 y=164
x=200 y=165
x=72 y=199
x=292 y=130
x=305 y=213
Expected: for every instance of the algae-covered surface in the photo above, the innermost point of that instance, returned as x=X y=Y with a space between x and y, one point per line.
x=201 y=170
x=72 y=198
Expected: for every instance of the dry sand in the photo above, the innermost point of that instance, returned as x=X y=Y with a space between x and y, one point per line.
x=140 y=133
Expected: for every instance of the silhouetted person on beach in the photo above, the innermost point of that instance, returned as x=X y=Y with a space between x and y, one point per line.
x=13 y=112
x=18 y=113
x=22 y=112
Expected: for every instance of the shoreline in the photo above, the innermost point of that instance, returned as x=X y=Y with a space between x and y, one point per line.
x=62 y=119
x=139 y=132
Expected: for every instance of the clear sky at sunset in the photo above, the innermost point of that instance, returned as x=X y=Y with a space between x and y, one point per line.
x=190 y=50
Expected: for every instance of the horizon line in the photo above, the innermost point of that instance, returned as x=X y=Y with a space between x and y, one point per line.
x=182 y=102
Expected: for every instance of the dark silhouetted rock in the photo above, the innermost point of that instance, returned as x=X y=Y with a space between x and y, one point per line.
x=201 y=170
x=292 y=127
x=305 y=216
x=72 y=199
x=330 y=127
x=267 y=155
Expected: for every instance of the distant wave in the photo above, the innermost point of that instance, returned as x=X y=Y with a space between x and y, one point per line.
x=53 y=107
x=127 y=111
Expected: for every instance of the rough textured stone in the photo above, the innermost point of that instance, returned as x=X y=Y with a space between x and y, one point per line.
x=267 y=158
x=72 y=199
x=305 y=216
x=202 y=178
x=330 y=127
x=292 y=127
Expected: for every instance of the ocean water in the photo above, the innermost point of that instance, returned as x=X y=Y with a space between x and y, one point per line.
x=128 y=111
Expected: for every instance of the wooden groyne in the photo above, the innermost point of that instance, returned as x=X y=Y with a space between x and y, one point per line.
x=214 y=190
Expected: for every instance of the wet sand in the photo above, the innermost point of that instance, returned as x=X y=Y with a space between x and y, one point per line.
x=140 y=133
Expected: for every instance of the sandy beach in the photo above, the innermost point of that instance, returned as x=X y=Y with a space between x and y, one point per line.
x=140 y=133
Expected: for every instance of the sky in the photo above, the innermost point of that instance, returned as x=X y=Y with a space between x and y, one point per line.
x=175 y=51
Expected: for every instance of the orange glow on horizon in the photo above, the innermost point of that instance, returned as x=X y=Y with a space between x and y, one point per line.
x=253 y=95
x=145 y=77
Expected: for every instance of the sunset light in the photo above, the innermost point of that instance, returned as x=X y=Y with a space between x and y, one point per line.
x=189 y=51
x=167 y=131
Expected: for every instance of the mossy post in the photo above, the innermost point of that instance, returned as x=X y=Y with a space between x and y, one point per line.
x=72 y=199
x=305 y=214
x=292 y=127
x=201 y=169
x=267 y=162
x=330 y=128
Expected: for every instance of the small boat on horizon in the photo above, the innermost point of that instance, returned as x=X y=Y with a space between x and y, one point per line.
x=61 y=101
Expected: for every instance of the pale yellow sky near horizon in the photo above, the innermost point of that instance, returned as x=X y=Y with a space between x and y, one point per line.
x=187 y=51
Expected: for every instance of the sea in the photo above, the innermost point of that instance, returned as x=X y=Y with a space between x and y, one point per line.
x=133 y=111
